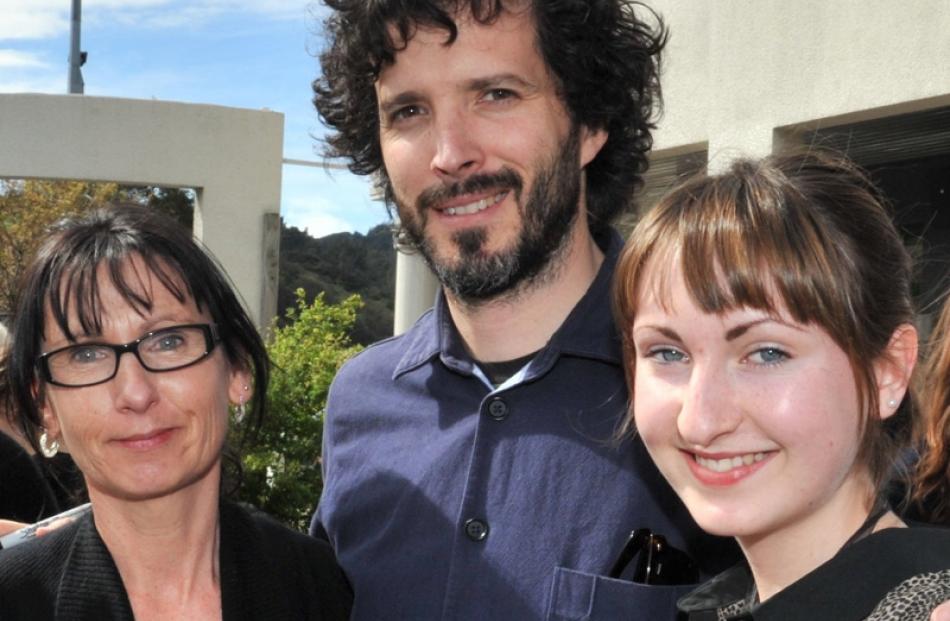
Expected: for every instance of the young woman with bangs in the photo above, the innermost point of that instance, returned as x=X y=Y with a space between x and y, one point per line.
x=769 y=342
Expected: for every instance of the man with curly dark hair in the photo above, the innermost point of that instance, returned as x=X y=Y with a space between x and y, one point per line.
x=470 y=465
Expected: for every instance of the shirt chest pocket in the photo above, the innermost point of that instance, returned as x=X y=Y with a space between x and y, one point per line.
x=580 y=596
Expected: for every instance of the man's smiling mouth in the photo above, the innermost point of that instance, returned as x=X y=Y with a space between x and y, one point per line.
x=470 y=208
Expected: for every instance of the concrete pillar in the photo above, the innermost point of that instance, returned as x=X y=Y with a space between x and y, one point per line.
x=416 y=286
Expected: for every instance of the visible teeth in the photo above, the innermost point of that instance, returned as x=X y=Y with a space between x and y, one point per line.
x=727 y=463
x=464 y=210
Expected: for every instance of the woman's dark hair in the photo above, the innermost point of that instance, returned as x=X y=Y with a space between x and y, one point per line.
x=604 y=58
x=64 y=279
x=808 y=232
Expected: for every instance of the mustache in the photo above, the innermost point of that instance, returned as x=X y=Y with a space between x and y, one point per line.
x=504 y=179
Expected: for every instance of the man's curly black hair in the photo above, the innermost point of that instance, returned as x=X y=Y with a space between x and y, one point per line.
x=604 y=57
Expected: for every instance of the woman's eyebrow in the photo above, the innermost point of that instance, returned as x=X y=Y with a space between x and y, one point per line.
x=737 y=331
x=667 y=332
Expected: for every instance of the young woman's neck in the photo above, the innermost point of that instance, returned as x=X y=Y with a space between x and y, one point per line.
x=785 y=555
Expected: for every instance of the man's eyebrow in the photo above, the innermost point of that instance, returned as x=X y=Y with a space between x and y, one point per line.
x=737 y=331
x=405 y=98
x=498 y=79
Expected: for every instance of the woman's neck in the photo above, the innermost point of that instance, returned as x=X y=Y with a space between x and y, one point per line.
x=786 y=554
x=166 y=550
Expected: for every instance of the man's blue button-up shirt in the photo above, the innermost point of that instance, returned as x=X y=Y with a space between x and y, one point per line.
x=447 y=499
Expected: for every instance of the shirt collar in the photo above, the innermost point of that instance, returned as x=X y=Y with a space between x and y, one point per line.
x=589 y=330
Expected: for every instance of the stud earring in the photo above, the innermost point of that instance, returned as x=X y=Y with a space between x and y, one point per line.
x=892 y=403
x=48 y=446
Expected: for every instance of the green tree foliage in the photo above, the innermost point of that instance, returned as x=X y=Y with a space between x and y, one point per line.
x=27 y=209
x=340 y=265
x=281 y=459
x=177 y=203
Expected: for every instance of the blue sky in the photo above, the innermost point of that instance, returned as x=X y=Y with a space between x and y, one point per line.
x=244 y=53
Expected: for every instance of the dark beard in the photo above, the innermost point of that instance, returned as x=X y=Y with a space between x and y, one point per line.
x=546 y=219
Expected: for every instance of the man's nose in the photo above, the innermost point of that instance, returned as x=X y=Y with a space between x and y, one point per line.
x=708 y=409
x=458 y=151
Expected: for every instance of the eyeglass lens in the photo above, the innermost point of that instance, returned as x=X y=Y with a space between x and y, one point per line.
x=163 y=350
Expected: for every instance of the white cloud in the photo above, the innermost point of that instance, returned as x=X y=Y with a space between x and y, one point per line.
x=321 y=225
x=28 y=22
x=15 y=59
x=328 y=203
x=41 y=19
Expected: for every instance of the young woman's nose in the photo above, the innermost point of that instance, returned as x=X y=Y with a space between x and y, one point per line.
x=708 y=408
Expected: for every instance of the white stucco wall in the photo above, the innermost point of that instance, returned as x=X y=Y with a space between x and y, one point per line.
x=231 y=156
x=737 y=70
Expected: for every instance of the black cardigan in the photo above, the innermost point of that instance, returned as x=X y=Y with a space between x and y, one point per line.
x=268 y=572
x=24 y=493
x=895 y=573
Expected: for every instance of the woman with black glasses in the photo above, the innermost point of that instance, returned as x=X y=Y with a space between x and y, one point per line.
x=129 y=350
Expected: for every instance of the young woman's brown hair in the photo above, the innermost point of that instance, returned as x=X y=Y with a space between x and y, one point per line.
x=807 y=231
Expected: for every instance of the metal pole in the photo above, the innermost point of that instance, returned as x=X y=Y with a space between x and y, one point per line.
x=76 y=58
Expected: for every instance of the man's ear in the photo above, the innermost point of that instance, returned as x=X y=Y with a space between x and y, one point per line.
x=894 y=368
x=592 y=141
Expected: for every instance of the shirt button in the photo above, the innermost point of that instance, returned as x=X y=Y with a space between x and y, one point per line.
x=498 y=409
x=476 y=530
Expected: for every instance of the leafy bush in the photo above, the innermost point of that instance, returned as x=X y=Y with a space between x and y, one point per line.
x=281 y=461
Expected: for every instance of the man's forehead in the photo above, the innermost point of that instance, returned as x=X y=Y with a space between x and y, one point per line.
x=489 y=13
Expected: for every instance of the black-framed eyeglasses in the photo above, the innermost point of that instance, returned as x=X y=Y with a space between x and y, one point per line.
x=168 y=349
x=657 y=562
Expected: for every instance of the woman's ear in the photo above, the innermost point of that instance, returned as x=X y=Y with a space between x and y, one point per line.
x=894 y=368
x=51 y=425
x=239 y=385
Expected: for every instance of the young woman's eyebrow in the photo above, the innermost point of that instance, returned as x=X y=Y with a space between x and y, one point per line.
x=667 y=332
x=737 y=331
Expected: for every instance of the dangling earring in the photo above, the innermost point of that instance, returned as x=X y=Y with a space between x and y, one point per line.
x=240 y=411
x=48 y=447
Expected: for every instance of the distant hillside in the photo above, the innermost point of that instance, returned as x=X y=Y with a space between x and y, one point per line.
x=340 y=265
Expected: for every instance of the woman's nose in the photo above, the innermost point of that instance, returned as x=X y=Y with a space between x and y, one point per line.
x=708 y=409
x=133 y=385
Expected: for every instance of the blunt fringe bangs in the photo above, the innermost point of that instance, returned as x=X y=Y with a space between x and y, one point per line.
x=65 y=276
x=807 y=233
x=604 y=57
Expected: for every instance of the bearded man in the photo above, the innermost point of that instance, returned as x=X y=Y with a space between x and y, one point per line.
x=471 y=466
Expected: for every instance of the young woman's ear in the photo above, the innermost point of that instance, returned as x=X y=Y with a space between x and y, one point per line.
x=894 y=368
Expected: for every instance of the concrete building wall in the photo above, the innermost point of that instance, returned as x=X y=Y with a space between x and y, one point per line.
x=740 y=74
x=231 y=156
